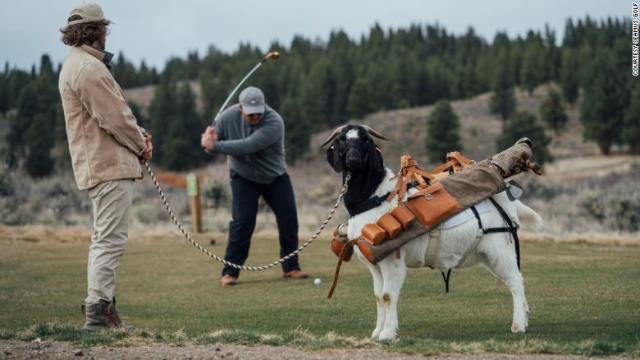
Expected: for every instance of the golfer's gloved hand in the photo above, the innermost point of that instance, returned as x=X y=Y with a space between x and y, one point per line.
x=208 y=138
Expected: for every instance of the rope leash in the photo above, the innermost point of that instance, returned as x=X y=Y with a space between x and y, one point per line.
x=242 y=267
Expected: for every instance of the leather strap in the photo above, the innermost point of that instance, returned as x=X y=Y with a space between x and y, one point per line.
x=455 y=160
x=345 y=250
x=368 y=204
x=510 y=228
x=428 y=190
x=410 y=172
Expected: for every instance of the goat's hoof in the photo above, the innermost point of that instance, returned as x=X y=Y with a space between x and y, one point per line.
x=515 y=328
x=387 y=336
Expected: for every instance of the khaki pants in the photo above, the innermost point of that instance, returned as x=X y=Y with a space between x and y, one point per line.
x=111 y=202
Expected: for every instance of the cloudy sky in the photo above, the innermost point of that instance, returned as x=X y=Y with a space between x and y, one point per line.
x=156 y=30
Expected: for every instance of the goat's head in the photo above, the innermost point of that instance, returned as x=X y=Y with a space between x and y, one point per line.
x=353 y=150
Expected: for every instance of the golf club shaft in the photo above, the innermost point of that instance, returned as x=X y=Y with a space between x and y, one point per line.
x=269 y=56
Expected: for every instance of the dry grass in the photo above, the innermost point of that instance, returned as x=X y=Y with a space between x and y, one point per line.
x=609 y=239
x=590 y=167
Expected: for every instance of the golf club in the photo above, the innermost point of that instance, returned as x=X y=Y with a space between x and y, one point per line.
x=272 y=55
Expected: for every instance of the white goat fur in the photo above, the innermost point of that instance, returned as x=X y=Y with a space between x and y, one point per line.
x=461 y=246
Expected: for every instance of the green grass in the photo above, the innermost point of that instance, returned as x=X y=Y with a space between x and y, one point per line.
x=584 y=299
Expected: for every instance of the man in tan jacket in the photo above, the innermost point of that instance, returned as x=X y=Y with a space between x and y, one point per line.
x=106 y=147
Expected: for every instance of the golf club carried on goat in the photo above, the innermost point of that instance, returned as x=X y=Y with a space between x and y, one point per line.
x=272 y=55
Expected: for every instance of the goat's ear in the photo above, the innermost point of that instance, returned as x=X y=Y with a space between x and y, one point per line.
x=333 y=158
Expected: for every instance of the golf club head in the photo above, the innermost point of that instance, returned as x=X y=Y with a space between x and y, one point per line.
x=272 y=55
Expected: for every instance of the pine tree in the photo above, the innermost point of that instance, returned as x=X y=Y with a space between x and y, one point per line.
x=161 y=111
x=125 y=72
x=533 y=71
x=27 y=108
x=145 y=76
x=570 y=37
x=605 y=98
x=438 y=74
x=32 y=130
x=522 y=124
x=137 y=112
x=317 y=96
x=552 y=56
x=192 y=66
x=4 y=91
x=17 y=81
x=46 y=68
x=631 y=132
x=378 y=80
x=40 y=141
x=443 y=130
x=60 y=151
x=570 y=75
x=181 y=148
x=552 y=111
x=359 y=103
x=297 y=130
x=503 y=101
x=342 y=74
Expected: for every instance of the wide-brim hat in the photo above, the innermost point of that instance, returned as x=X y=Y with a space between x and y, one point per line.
x=88 y=12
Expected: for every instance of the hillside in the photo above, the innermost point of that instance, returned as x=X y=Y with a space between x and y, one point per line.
x=143 y=95
x=582 y=192
x=479 y=129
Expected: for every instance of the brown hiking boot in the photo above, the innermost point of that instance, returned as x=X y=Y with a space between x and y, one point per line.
x=295 y=274
x=100 y=316
x=228 y=280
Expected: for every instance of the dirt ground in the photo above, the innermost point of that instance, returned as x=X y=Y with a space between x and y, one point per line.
x=62 y=350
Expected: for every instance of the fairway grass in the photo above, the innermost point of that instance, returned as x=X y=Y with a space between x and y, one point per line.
x=584 y=299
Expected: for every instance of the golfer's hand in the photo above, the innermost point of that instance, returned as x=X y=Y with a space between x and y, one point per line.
x=209 y=138
x=148 y=151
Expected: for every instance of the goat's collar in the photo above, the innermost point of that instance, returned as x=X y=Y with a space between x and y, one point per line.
x=374 y=201
x=377 y=198
x=370 y=203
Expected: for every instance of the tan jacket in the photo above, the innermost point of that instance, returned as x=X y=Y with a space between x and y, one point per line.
x=104 y=139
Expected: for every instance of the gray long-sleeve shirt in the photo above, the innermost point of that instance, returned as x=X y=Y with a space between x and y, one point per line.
x=255 y=152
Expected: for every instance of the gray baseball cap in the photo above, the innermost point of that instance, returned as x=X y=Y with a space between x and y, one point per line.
x=88 y=12
x=252 y=100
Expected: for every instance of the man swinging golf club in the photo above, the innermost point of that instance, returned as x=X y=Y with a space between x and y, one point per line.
x=252 y=135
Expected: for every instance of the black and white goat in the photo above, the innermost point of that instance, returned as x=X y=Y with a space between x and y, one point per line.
x=462 y=243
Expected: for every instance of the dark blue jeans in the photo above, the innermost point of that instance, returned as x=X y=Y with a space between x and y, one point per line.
x=280 y=198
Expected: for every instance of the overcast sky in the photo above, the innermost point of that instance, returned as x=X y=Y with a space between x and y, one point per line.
x=156 y=30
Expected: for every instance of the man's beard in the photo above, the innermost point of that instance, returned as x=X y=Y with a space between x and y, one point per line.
x=102 y=43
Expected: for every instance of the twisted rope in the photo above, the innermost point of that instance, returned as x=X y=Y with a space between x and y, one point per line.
x=242 y=267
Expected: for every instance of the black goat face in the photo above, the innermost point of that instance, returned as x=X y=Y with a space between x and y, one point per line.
x=353 y=149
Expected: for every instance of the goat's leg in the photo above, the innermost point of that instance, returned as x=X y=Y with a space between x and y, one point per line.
x=376 y=275
x=394 y=271
x=501 y=260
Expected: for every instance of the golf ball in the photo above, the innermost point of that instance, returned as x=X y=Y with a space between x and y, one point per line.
x=317 y=281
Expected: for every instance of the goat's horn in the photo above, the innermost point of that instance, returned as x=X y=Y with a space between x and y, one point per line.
x=333 y=135
x=374 y=133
